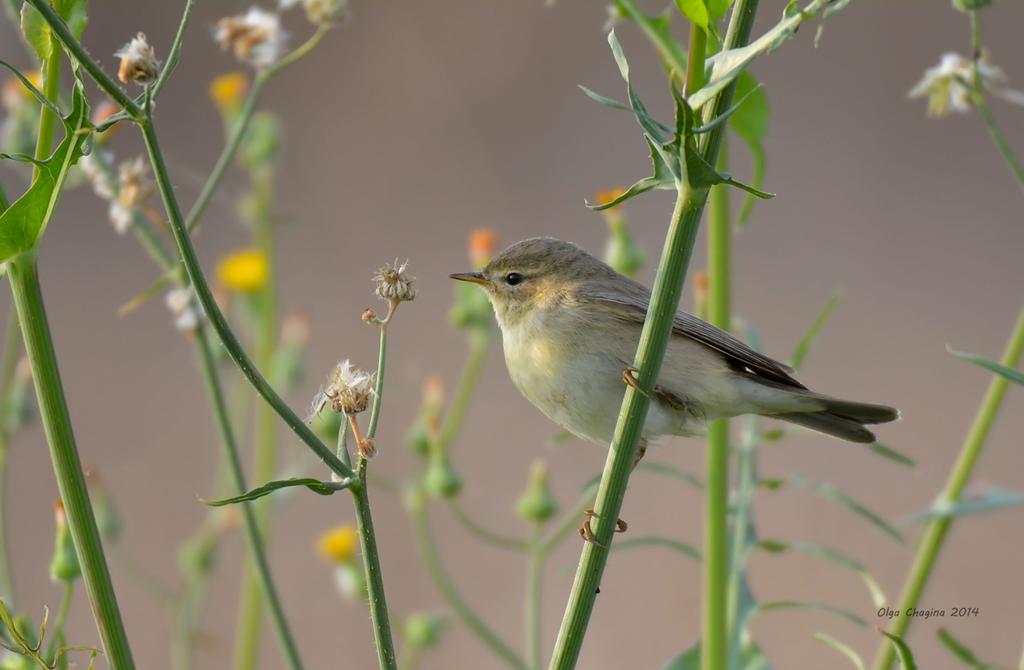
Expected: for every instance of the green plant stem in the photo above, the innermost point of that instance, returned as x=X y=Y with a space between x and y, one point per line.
x=250 y=616
x=28 y=299
x=715 y=623
x=8 y=365
x=450 y=593
x=241 y=124
x=216 y=317
x=75 y=48
x=935 y=531
x=174 y=55
x=253 y=536
x=479 y=343
x=62 y=617
x=675 y=259
x=695 y=58
x=483 y=533
x=367 y=537
x=982 y=104
x=534 y=600
x=47 y=117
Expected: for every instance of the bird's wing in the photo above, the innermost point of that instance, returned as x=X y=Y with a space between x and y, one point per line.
x=631 y=301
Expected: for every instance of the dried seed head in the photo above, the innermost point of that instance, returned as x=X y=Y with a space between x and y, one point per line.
x=326 y=12
x=256 y=37
x=348 y=391
x=138 y=62
x=393 y=284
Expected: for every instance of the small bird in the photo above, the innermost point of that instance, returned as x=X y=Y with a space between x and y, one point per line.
x=570 y=327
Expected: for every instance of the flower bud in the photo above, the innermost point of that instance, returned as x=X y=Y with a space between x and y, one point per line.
x=424 y=429
x=441 y=479
x=481 y=247
x=326 y=12
x=422 y=630
x=472 y=310
x=108 y=518
x=971 y=5
x=537 y=503
x=262 y=143
x=621 y=252
x=326 y=425
x=64 y=565
x=701 y=281
x=197 y=555
x=138 y=62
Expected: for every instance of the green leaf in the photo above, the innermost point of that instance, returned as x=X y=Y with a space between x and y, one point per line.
x=902 y=651
x=73 y=13
x=36 y=93
x=314 y=485
x=804 y=345
x=687 y=660
x=962 y=652
x=830 y=492
x=842 y=648
x=808 y=605
x=641 y=542
x=658 y=31
x=891 y=454
x=1015 y=376
x=833 y=556
x=718 y=8
x=671 y=471
x=991 y=500
x=694 y=10
x=35 y=31
x=750 y=123
x=24 y=222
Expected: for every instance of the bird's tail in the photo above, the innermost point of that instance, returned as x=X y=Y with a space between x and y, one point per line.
x=844 y=419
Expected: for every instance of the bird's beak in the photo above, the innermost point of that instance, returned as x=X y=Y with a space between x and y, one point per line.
x=473 y=277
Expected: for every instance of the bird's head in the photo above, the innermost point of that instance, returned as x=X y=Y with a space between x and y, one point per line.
x=534 y=274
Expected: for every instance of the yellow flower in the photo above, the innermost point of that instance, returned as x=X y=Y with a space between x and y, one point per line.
x=604 y=197
x=339 y=544
x=244 y=271
x=227 y=90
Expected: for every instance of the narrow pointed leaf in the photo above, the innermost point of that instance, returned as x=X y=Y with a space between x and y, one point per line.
x=757 y=193
x=890 y=453
x=803 y=347
x=903 y=652
x=809 y=605
x=314 y=485
x=677 y=546
x=659 y=34
x=1015 y=376
x=688 y=660
x=833 y=556
x=724 y=116
x=830 y=492
x=750 y=122
x=36 y=93
x=671 y=471
x=961 y=651
x=990 y=501
x=842 y=648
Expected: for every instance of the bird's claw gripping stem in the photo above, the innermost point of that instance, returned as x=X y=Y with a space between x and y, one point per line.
x=587 y=534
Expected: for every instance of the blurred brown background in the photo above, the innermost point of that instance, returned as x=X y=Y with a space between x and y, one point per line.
x=418 y=122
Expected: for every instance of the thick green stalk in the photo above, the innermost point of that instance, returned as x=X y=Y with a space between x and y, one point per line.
x=534 y=592
x=47 y=117
x=935 y=531
x=8 y=365
x=53 y=410
x=367 y=537
x=675 y=259
x=715 y=624
x=216 y=317
x=253 y=536
x=450 y=593
x=695 y=59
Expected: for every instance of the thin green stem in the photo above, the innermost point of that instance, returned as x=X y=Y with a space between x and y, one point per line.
x=533 y=624
x=675 y=259
x=174 y=55
x=483 y=533
x=478 y=347
x=8 y=365
x=450 y=593
x=935 y=531
x=982 y=104
x=715 y=624
x=75 y=48
x=62 y=617
x=241 y=124
x=53 y=410
x=253 y=536
x=217 y=320
x=696 y=58
x=367 y=537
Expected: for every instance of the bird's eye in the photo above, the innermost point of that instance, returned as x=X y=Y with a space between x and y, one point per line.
x=513 y=278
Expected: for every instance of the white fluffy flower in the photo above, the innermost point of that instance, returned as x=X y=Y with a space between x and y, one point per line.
x=120 y=216
x=186 y=310
x=949 y=85
x=256 y=37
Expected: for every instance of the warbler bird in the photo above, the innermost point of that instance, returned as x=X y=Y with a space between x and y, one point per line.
x=570 y=327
